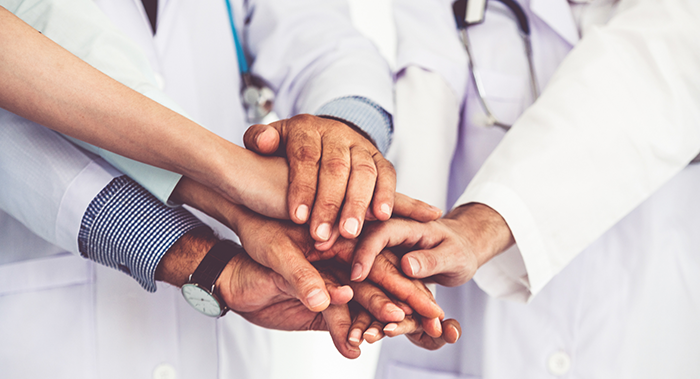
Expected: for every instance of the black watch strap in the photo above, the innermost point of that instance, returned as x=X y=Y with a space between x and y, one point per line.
x=214 y=262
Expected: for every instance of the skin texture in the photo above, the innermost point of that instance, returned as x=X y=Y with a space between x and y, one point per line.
x=335 y=173
x=286 y=247
x=447 y=251
x=264 y=298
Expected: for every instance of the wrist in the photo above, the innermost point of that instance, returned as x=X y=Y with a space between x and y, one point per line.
x=183 y=257
x=485 y=229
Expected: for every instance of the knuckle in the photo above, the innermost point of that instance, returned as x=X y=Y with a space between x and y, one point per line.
x=329 y=205
x=306 y=153
x=302 y=119
x=336 y=165
x=429 y=261
x=301 y=188
x=366 y=167
x=360 y=204
x=386 y=166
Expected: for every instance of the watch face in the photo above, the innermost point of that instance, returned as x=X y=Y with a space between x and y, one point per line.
x=201 y=300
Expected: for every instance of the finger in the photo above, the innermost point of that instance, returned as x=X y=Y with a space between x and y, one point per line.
x=303 y=154
x=325 y=246
x=376 y=302
x=374 y=333
x=305 y=280
x=385 y=192
x=446 y=264
x=338 y=320
x=340 y=294
x=359 y=326
x=262 y=139
x=432 y=326
x=417 y=210
x=409 y=325
x=451 y=331
x=332 y=184
x=377 y=237
x=451 y=335
x=360 y=188
x=387 y=276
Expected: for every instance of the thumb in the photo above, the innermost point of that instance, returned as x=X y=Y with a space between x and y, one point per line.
x=262 y=139
x=306 y=282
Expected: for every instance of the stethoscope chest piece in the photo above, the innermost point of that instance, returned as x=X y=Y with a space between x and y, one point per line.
x=258 y=98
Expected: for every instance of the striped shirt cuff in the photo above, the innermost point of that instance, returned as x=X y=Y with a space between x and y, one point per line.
x=364 y=114
x=127 y=228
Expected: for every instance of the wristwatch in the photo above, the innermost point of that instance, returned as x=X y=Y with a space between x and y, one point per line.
x=199 y=289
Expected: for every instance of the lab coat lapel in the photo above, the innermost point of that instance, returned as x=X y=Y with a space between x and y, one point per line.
x=557 y=14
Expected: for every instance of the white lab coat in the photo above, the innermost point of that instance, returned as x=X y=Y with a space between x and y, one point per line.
x=592 y=179
x=65 y=317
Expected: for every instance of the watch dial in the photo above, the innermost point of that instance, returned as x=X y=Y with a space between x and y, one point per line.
x=201 y=300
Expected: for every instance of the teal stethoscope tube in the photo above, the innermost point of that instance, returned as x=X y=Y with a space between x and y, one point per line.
x=242 y=63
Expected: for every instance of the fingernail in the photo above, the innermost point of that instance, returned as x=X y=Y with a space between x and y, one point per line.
x=436 y=209
x=302 y=212
x=415 y=266
x=390 y=327
x=438 y=326
x=316 y=298
x=386 y=209
x=371 y=332
x=351 y=226
x=456 y=330
x=324 y=231
x=355 y=335
x=356 y=272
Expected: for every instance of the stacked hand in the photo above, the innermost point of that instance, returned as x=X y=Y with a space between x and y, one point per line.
x=299 y=276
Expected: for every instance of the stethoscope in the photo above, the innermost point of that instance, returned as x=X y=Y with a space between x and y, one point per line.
x=472 y=12
x=256 y=95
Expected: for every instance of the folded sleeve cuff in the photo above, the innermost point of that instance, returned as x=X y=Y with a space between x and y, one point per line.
x=127 y=228
x=521 y=272
x=365 y=115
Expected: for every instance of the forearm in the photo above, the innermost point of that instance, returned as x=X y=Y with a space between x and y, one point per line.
x=47 y=84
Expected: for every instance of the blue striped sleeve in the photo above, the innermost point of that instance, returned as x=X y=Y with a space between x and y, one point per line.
x=365 y=115
x=127 y=228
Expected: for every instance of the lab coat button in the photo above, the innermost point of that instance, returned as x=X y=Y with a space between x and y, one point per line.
x=160 y=81
x=164 y=371
x=559 y=363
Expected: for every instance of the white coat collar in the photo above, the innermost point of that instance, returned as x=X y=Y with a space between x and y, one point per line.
x=557 y=14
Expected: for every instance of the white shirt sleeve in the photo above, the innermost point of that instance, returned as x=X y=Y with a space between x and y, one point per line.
x=619 y=119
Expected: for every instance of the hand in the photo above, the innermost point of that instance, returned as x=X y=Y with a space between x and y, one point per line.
x=448 y=251
x=411 y=326
x=264 y=298
x=284 y=248
x=428 y=333
x=346 y=165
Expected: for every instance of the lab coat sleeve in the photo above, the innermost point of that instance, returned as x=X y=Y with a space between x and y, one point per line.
x=80 y=203
x=81 y=28
x=619 y=118
x=47 y=182
x=311 y=54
